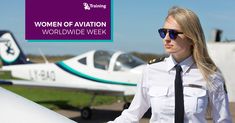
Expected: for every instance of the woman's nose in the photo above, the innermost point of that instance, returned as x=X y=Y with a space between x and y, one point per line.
x=167 y=38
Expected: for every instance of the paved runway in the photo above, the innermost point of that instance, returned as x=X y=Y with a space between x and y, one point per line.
x=104 y=113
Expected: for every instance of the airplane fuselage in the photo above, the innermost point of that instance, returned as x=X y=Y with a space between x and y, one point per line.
x=80 y=77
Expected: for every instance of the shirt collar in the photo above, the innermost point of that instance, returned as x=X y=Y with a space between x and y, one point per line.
x=185 y=64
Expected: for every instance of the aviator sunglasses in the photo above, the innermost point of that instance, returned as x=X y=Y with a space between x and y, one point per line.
x=172 y=33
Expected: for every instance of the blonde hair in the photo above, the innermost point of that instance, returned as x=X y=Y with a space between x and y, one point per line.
x=191 y=27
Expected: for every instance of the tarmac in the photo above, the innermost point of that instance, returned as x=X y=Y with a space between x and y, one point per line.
x=104 y=113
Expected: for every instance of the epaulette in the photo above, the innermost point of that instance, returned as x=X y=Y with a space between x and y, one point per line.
x=156 y=60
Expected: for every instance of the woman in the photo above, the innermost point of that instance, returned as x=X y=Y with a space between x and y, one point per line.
x=182 y=87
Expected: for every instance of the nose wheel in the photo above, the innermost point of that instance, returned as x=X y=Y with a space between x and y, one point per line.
x=86 y=113
x=127 y=104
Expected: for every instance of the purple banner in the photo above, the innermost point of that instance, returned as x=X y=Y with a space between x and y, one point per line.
x=68 y=20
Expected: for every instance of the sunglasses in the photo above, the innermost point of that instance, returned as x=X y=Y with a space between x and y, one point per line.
x=172 y=33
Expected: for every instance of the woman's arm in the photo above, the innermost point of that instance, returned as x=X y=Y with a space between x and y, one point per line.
x=219 y=101
x=139 y=105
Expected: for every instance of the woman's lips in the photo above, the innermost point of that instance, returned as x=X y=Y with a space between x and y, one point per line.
x=168 y=46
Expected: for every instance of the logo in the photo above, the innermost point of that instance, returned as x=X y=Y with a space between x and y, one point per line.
x=86 y=6
x=93 y=6
x=78 y=21
x=9 y=50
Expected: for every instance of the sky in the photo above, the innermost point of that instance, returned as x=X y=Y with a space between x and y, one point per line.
x=135 y=25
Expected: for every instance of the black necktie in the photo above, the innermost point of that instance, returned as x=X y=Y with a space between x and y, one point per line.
x=179 y=96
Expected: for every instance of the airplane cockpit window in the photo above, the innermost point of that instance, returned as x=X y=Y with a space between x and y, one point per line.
x=82 y=61
x=127 y=61
x=102 y=59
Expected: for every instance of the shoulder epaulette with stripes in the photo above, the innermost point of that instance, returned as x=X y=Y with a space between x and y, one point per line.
x=156 y=60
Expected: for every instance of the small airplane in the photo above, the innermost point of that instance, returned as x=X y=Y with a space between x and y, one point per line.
x=223 y=54
x=98 y=72
x=16 y=109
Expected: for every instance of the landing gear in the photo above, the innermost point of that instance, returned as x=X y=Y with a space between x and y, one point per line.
x=127 y=104
x=86 y=112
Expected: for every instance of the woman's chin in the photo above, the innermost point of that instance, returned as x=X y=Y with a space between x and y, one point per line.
x=169 y=51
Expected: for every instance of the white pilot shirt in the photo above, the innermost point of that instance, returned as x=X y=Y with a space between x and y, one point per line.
x=156 y=90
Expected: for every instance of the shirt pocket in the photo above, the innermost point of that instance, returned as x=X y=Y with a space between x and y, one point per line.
x=158 y=91
x=158 y=99
x=195 y=100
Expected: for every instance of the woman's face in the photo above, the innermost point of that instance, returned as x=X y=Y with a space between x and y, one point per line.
x=179 y=47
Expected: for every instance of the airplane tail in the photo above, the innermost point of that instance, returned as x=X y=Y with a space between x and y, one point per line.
x=10 y=51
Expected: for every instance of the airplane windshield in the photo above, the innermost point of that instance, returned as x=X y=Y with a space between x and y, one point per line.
x=127 y=61
x=102 y=59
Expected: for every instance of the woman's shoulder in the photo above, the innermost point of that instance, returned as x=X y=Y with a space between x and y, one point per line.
x=156 y=60
x=217 y=78
x=157 y=65
x=217 y=81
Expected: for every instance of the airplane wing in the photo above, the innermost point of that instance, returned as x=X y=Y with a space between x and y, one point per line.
x=93 y=90
x=16 y=109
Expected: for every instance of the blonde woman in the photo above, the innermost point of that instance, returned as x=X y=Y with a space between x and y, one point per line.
x=180 y=88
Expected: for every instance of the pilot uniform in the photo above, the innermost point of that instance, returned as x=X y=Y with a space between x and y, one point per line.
x=156 y=90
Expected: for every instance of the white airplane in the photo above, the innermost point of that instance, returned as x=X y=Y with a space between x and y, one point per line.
x=98 y=72
x=223 y=54
x=16 y=109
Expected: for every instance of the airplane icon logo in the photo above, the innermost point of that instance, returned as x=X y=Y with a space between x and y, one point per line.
x=86 y=6
x=9 y=49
